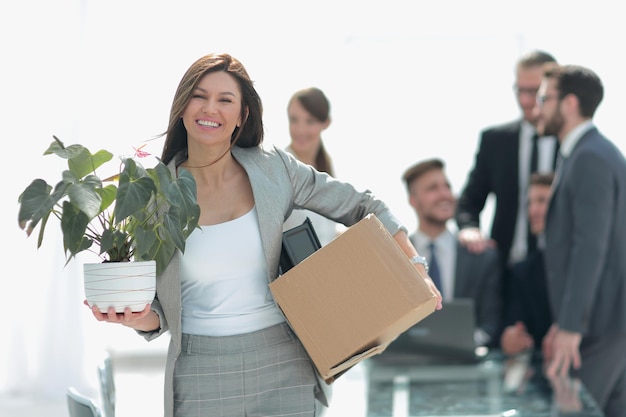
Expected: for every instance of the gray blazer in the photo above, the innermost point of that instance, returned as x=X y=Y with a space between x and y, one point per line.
x=280 y=183
x=585 y=253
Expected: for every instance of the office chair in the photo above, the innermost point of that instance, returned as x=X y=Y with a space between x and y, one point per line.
x=107 y=386
x=80 y=405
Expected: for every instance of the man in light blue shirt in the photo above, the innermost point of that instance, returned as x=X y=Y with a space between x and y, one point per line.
x=462 y=274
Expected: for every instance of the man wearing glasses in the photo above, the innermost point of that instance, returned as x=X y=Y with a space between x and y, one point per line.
x=506 y=157
x=585 y=254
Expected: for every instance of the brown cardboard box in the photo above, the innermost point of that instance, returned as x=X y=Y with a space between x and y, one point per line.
x=351 y=298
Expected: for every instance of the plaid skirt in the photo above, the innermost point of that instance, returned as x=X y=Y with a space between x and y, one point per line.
x=263 y=373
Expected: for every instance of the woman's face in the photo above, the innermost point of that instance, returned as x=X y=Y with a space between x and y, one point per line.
x=214 y=109
x=305 y=130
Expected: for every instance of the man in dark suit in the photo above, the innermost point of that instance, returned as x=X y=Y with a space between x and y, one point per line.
x=503 y=163
x=528 y=315
x=461 y=274
x=585 y=240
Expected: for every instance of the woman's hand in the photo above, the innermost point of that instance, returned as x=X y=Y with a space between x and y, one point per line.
x=435 y=291
x=431 y=285
x=145 y=320
x=407 y=247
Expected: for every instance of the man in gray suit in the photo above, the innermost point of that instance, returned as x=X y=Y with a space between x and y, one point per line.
x=585 y=254
x=462 y=274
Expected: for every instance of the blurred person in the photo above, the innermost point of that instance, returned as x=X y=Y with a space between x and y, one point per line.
x=231 y=352
x=566 y=396
x=585 y=254
x=308 y=111
x=506 y=156
x=461 y=273
x=528 y=315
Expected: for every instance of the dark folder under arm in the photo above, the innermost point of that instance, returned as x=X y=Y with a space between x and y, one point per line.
x=298 y=244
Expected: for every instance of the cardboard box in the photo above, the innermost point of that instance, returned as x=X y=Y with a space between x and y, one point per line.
x=353 y=297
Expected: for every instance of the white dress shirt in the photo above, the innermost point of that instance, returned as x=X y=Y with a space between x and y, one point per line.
x=445 y=246
x=546 y=147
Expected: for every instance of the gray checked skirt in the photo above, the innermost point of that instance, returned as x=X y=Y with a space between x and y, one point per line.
x=263 y=373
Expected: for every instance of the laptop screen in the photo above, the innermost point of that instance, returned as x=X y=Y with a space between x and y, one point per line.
x=447 y=333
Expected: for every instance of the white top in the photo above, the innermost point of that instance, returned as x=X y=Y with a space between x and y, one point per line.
x=545 y=157
x=224 y=284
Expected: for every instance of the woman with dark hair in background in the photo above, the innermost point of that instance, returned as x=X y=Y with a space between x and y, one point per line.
x=309 y=115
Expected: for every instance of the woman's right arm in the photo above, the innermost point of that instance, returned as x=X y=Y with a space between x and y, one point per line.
x=146 y=320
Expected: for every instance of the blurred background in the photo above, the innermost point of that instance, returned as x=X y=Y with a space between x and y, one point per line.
x=407 y=80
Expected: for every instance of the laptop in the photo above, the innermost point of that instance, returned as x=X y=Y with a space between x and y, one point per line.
x=298 y=244
x=445 y=336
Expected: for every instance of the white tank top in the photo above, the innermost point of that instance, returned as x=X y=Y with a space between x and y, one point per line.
x=224 y=280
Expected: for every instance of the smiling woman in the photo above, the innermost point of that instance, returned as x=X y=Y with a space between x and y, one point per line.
x=429 y=78
x=214 y=299
x=214 y=107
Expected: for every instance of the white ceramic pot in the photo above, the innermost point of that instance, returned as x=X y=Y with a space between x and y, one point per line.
x=120 y=284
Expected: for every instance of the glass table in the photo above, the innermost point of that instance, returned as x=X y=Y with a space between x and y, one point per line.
x=496 y=386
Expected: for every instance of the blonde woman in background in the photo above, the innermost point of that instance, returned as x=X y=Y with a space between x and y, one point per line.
x=309 y=115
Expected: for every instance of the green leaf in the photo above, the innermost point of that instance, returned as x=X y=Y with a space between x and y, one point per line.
x=135 y=190
x=161 y=175
x=74 y=223
x=107 y=195
x=153 y=244
x=57 y=148
x=84 y=162
x=116 y=245
x=84 y=197
x=173 y=224
x=182 y=193
x=145 y=240
x=80 y=161
x=106 y=241
x=162 y=256
x=42 y=228
x=35 y=202
x=154 y=211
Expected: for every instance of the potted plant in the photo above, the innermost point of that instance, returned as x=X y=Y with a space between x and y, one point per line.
x=137 y=214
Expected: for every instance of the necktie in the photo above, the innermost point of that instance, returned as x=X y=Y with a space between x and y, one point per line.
x=433 y=271
x=534 y=154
